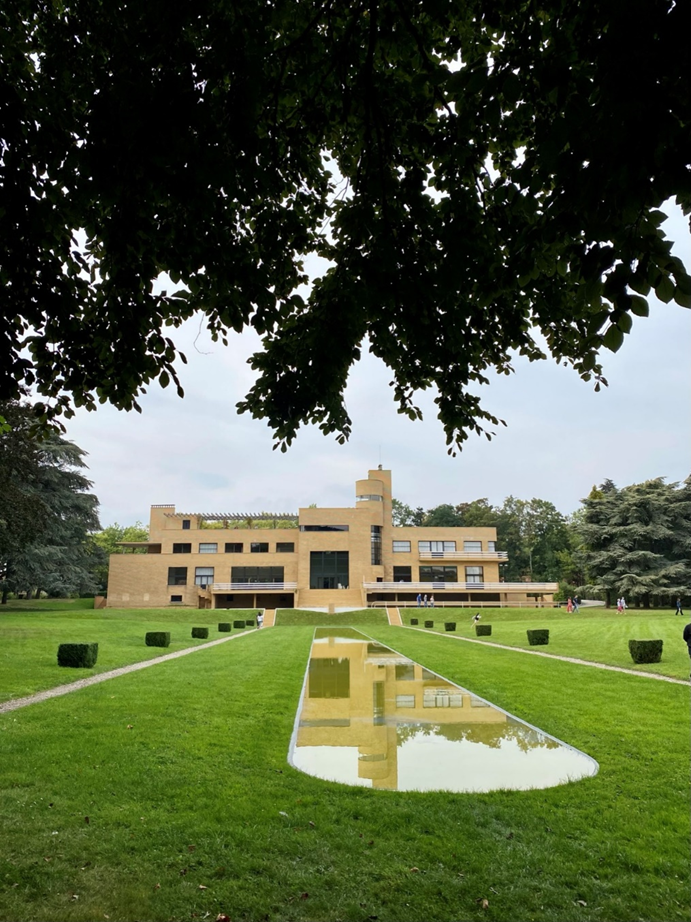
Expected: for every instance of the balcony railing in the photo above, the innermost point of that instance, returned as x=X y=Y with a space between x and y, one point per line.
x=253 y=587
x=463 y=587
x=463 y=555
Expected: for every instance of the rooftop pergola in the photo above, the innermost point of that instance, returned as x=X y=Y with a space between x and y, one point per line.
x=230 y=518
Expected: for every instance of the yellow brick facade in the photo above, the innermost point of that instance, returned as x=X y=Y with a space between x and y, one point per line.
x=335 y=558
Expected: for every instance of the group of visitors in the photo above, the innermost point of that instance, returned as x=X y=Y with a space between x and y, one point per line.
x=572 y=604
x=424 y=602
x=621 y=605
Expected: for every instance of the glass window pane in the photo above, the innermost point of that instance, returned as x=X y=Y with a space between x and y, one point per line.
x=401 y=547
x=208 y=548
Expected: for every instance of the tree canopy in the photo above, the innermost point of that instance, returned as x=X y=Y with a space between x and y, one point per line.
x=44 y=528
x=637 y=541
x=473 y=172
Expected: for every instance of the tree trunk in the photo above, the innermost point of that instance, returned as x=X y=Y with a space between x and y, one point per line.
x=5 y=593
x=608 y=601
x=646 y=600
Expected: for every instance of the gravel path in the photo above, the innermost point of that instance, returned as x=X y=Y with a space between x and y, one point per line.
x=16 y=703
x=565 y=659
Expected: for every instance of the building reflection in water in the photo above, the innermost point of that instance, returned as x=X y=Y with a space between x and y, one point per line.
x=371 y=717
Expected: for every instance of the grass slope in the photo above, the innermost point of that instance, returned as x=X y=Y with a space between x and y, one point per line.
x=166 y=795
x=598 y=635
x=296 y=616
x=29 y=641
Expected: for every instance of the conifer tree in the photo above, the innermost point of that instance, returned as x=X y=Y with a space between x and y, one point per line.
x=637 y=541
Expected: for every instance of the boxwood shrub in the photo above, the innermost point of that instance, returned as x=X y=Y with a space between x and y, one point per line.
x=538 y=637
x=645 y=651
x=157 y=638
x=237 y=624
x=414 y=621
x=449 y=625
x=250 y=622
x=78 y=655
x=201 y=632
x=483 y=630
x=429 y=623
x=224 y=627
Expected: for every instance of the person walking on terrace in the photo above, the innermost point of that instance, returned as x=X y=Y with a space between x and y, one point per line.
x=679 y=609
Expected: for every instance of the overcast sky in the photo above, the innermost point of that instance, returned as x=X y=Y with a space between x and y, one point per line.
x=562 y=437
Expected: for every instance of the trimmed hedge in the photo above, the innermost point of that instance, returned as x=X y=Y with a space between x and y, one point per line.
x=250 y=622
x=429 y=623
x=538 y=637
x=157 y=638
x=645 y=651
x=483 y=630
x=449 y=625
x=237 y=624
x=414 y=621
x=224 y=627
x=78 y=655
x=201 y=632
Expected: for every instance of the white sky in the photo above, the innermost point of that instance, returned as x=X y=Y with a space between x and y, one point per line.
x=198 y=454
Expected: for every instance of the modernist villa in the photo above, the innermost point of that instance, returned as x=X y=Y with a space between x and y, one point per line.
x=327 y=559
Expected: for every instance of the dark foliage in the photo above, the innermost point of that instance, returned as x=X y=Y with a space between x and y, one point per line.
x=200 y=632
x=538 y=637
x=483 y=630
x=78 y=655
x=222 y=142
x=645 y=651
x=224 y=627
x=157 y=638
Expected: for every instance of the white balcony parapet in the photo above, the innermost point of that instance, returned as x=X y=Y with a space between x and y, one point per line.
x=253 y=587
x=463 y=555
x=464 y=587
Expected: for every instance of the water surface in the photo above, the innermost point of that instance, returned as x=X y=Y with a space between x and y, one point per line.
x=369 y=716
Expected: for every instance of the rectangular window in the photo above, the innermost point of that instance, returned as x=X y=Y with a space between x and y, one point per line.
x=472 y=547
x=402 y=574
x=401 y=547
x=324 y=528
x=203 y=576
x=208 y=548
x=405 y=672
x=256 y=575
x=405 y=701
x=437 y=574
x=375 y=545
x=492 y=546
x=329 y=570
x=370 y=498
x=185 y=524
x=329 y=678
x=436 y=547
x=182 y=548
x=285 y=547
x=234 y=548
x=474 y=575
x=176 y=598
x=177 y=576
x=259 y=547
x=442 y=698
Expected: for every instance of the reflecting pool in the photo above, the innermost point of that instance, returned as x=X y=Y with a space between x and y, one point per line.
x=372 y=717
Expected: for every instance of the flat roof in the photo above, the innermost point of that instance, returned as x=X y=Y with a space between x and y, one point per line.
x=233 y=516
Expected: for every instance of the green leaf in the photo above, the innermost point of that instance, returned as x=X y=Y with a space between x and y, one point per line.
x=625 y=322
x=665 y=289
x=639 y=306
x=613 y=338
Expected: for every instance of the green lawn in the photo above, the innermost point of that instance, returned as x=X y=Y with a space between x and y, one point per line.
x=166 y=795
x=595 y=634
x=296 y=616
x=29 y=640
